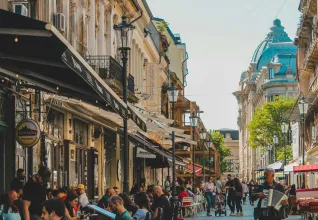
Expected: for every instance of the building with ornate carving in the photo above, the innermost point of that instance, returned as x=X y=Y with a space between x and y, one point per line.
x=271 y=73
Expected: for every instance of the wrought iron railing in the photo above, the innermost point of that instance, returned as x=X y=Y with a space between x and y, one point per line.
x=106 y=66
x=109 y=68
x=131 y=83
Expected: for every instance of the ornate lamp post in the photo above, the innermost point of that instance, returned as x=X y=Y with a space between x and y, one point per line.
x=124 y=32
x=203 y=139
x=173 y=93
x=284 y=127
x=303 y=107
x=210 y=144
x=194 y=124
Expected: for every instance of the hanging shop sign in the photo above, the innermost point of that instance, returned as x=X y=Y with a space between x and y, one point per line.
x=141 y=153
x=28 y=133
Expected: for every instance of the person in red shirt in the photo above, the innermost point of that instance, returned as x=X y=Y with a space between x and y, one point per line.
x=183 y=193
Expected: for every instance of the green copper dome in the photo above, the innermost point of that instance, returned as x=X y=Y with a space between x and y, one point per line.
x=277 y=41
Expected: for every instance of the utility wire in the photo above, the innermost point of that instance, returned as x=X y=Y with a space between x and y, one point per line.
x=281 y=8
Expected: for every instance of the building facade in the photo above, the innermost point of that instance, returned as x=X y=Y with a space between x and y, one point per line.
x=82 y=130
x=307 y=56
x=231 y=140
x=271 y=73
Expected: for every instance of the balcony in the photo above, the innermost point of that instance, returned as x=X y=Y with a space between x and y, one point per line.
x=311 y=56
x=111 y=72
x=309 y=10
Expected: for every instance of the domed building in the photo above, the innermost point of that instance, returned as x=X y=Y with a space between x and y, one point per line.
x=271 y=73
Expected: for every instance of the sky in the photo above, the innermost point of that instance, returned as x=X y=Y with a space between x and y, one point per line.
x=221 y=37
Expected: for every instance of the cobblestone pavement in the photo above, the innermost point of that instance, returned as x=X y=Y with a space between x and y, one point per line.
x=248 y=215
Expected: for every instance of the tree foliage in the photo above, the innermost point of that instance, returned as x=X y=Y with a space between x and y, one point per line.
x=224 y=151
x=280 y=153
x=267 y=121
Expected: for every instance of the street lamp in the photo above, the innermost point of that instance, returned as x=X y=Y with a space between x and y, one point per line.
x=303 y=107
x=173 y=93
x=275 y=141
x=194 y=124
x=124 y=32
x=203 y=138
x=284 y=127
x=210 y=144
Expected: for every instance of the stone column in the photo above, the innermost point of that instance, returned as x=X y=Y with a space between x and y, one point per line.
x=91 y=29
x=110 y=33
x=73 y=23
x=101 y=37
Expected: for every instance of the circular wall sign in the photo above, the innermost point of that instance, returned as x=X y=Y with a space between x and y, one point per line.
x=27 y=133
x=118 y=170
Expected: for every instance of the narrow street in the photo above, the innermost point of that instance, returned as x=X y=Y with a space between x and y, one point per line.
x=248 y=215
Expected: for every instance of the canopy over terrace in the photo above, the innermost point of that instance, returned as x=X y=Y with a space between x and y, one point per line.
x=38 y=56
x=306 y=168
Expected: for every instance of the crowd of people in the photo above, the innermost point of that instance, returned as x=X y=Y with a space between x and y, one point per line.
x=33 y=200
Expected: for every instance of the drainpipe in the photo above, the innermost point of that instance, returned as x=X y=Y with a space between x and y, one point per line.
x=33 y=4
x=183 y=73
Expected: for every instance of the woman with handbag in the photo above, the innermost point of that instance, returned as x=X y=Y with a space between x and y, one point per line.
x=239 y=193
x=209 y=188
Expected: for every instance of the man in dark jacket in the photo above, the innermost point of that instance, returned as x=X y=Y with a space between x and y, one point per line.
x=268 y=213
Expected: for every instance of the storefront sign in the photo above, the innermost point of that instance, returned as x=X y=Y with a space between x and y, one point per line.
x=72 y=152
x=295 y=134
x=141 y=153
x=28 y=133
x=153 y=88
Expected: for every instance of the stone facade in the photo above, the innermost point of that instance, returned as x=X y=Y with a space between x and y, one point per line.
x=271 y=73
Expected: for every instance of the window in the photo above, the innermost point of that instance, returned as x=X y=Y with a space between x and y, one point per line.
x=230 y=166
x=55 y=123
x=80 y=132
x=271 y=73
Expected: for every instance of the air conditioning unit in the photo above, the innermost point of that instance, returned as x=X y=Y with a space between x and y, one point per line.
x=59 y=21
x=20 y=9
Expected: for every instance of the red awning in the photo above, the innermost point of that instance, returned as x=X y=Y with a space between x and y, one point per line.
x=305 y=168
x=198 y=170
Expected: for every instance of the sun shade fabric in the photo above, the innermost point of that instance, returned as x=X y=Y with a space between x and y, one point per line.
x=277 y=166
x=44 y=58
x=198 y=170
x=290 y=167
x=306 y=168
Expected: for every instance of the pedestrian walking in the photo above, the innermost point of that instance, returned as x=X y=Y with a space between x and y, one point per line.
x=218 y=186
x=231 y=196
x=167 y=184
x=245 y=191
x=209 y=188
x=238 y=196
x=251 y=186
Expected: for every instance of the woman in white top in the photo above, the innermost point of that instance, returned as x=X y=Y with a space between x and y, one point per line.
x=209 y=190
x=245 y=191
